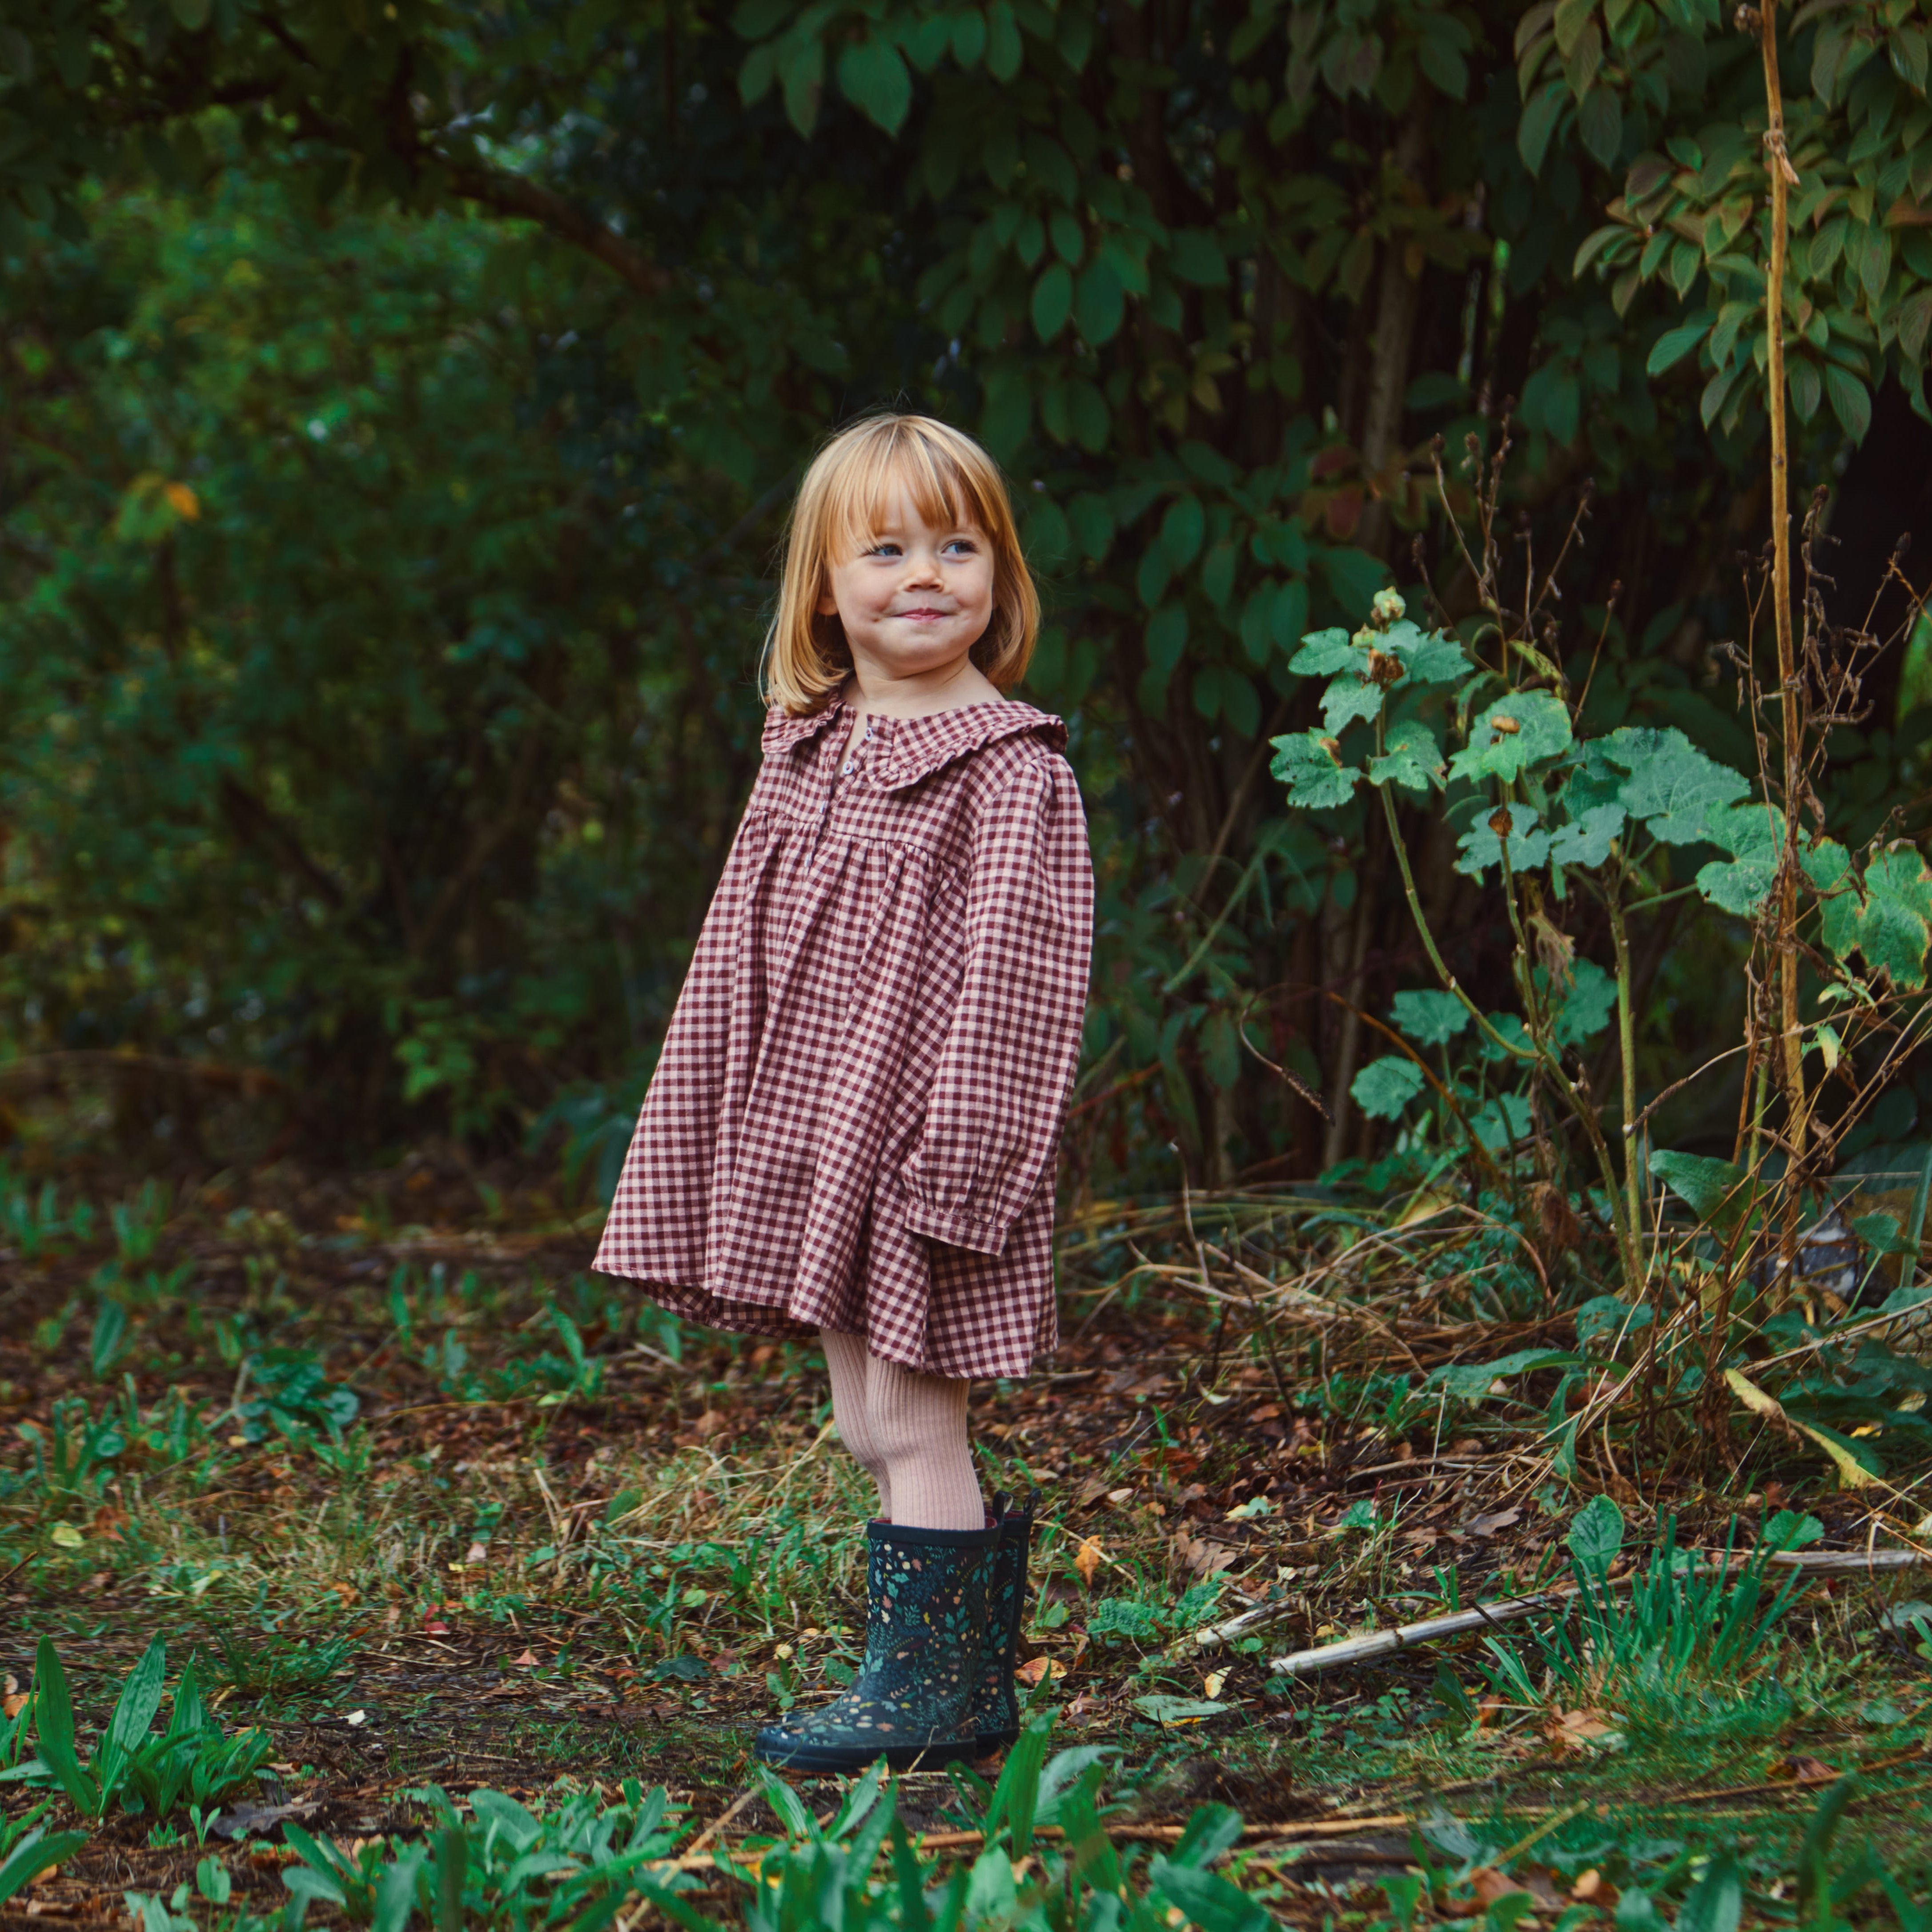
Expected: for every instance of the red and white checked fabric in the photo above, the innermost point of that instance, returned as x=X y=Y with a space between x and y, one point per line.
x=855 y=1120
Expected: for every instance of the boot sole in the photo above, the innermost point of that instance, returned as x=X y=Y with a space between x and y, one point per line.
x=806 y=1756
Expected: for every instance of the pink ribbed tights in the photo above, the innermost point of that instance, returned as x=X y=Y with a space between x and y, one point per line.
x=908 y=1431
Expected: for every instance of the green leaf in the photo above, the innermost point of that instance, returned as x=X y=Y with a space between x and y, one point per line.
x=1600 y=125
x=1481 y=846
x=1324 y=651
x=1316 y=778
x=1671 y=785
x=1209 y=1900
x=1166 y=638
x=1433 y=658
x=1413 y=758
x=802 y=76
x=1432 y=1019
x=1470 y=1381
x=1887 y=918
x=1716 y=1902
x=1289 y=617
x=1099 y=303
x=1806 y=387
x=1217 y=573
x=1851 y=400
x=1674 y=344
x=1003 y=52
x=1587 y=1006
x=1719 y=1192
x=34 y=1854
x=1587 y=841
x=1181 y=530
x=1753 y=835
x=134 y=1710
x=1347 y=699
x=1597 y=1535
x=1515 y=732
x=1052 y=301
x=1539 y=122
x=1385 y=1086
x=53 y=1728
x=872 y=76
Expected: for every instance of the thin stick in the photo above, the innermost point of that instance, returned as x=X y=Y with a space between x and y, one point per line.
x=1513 y=1610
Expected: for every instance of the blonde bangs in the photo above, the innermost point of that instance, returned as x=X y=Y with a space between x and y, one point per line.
x=851 y=485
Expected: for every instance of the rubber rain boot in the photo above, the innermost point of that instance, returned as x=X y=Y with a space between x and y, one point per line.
x=996 y=1709
x=912 y=1701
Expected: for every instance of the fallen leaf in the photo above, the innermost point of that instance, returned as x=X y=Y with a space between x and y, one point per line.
x=478 y=1552
x=356 y=1718
x=529 y=1658
x=1488 y=1525
x=1119 y=1496
x=1801 y=1769
x=1035 y=1668
x=1087 y=1559
x=1490 y=1885
x=1570 y=1730
x=67 y=1537
x=1210 y=1684
x=1489 y=1711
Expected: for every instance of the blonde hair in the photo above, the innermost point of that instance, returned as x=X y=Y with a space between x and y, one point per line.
x=950 y=480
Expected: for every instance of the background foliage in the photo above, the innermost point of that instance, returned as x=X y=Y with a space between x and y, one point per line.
x=401 y=403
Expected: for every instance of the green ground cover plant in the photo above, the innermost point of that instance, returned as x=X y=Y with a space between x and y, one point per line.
x=506 y=1591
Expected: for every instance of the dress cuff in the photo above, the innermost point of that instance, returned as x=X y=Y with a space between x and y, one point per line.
x=957 y=1229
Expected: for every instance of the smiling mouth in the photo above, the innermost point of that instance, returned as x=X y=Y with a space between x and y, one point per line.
x=925 y=610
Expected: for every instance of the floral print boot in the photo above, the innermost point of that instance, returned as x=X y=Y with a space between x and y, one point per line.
x=996 y=1710
x=911 y=1703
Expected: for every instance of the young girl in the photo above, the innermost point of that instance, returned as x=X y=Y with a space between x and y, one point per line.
x=852 y=1131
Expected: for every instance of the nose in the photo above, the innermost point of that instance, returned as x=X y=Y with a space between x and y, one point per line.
x=922 y=567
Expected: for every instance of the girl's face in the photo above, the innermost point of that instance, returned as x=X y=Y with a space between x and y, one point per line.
x=916 y=597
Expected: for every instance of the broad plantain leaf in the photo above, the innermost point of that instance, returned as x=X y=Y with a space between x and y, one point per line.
x=1597 y=1534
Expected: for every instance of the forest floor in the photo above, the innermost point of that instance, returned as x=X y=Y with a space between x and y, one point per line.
x=431 y=1505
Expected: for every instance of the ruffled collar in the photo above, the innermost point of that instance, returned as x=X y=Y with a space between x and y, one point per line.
x=907 y=749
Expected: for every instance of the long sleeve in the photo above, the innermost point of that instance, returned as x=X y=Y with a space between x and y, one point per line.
x=998 y=1098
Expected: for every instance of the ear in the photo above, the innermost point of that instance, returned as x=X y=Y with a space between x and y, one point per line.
x=827 y=605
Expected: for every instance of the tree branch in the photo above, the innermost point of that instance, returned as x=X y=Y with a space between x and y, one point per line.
x=505 y=193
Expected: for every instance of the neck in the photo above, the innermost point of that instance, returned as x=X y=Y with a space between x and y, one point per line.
x=873 y=689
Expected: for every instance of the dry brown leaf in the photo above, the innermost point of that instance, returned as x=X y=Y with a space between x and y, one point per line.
x=1035 y=1668
x=1087 y=1559
x=1570 y=1730
x=1802 y=1769
x=529 y=1658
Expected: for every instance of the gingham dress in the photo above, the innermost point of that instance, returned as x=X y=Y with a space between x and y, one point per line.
x=854 y=1121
